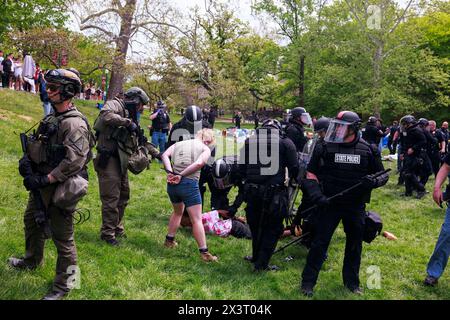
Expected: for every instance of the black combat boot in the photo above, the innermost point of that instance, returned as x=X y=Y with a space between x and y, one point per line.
x=19 y=264
x=55 y=295
x=307 y=290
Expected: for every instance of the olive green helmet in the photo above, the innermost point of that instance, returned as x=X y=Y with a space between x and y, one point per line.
x=136 y=94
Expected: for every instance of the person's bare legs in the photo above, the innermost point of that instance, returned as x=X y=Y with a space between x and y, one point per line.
x=175 y=219
x=195 y=213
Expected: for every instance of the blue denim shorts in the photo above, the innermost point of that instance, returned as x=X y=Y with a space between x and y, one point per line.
x=187 y=191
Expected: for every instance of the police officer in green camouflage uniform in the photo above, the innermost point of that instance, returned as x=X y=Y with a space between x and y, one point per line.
x=56 y=159
x=118 y=134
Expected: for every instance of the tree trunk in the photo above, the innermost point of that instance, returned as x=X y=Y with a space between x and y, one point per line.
x=377 y=63
x=122 y=43
x=301 y=88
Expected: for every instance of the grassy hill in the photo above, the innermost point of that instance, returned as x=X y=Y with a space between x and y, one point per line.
x=141 y=268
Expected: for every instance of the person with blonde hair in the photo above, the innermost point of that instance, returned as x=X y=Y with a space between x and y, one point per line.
x=188 y=157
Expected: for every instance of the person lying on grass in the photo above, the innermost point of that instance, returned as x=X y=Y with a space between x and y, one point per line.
x=215 y=222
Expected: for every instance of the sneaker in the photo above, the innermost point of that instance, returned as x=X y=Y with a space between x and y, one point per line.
x=19 y=264
x=307 y=290
x=208 y=257
x=430 y=281
x=170 y=244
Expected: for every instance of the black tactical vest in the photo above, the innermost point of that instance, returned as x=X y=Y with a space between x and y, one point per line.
x=161 y=122
x=344 y=165
x=258 y=150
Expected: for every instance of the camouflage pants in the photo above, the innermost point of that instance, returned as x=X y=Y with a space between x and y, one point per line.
x=114 y=194
x=61 y=226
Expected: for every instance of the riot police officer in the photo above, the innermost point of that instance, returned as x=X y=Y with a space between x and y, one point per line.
x=343 y=161
x=263 y=161
x=295 y=129
x=223 y=176
x=117 y=132
x=188 y=126
x=413 y=144
x=426 y=168
x=309 y=219
x=438 y=148
x=372 y=133
x=54 y=164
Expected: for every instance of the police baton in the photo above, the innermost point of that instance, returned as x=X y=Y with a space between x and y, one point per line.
x=376 y=175
x=359 y=184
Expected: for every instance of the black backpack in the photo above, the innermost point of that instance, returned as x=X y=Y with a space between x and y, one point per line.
x=373 y=226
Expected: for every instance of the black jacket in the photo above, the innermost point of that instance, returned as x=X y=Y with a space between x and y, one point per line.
x=296 y=133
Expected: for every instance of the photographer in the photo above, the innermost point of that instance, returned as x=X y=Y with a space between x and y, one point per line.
x=439 y=259
x=161 y=126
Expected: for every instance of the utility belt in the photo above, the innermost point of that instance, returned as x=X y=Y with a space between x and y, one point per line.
x=263 y=190
x=161 y=130
x=104 y=155
x=274 y=198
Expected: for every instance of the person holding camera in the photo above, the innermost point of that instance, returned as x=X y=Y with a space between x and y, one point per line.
x=161 y=126
x=439 y=259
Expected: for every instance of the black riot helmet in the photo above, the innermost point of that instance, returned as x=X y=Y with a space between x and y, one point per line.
x=193 y=114
x=345 y=124
x=136 y=95
x=423 y=122
x=372 y=120
x=272 y=123
x=322 y=124
x=221 y=173
x=67 y=82
x=407 y=121
x=300 y=115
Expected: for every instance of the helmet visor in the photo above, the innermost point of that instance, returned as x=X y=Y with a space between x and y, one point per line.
x=337 y=131
x=305 y=118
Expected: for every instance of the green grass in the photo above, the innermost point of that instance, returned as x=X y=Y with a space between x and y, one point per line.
x=143 y=269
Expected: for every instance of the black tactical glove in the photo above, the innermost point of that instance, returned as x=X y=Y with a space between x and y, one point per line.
x=133 y=127
x=313 y=191
x=231 y=211
x=35 y=182
x=25 y=168
x=372 y=181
